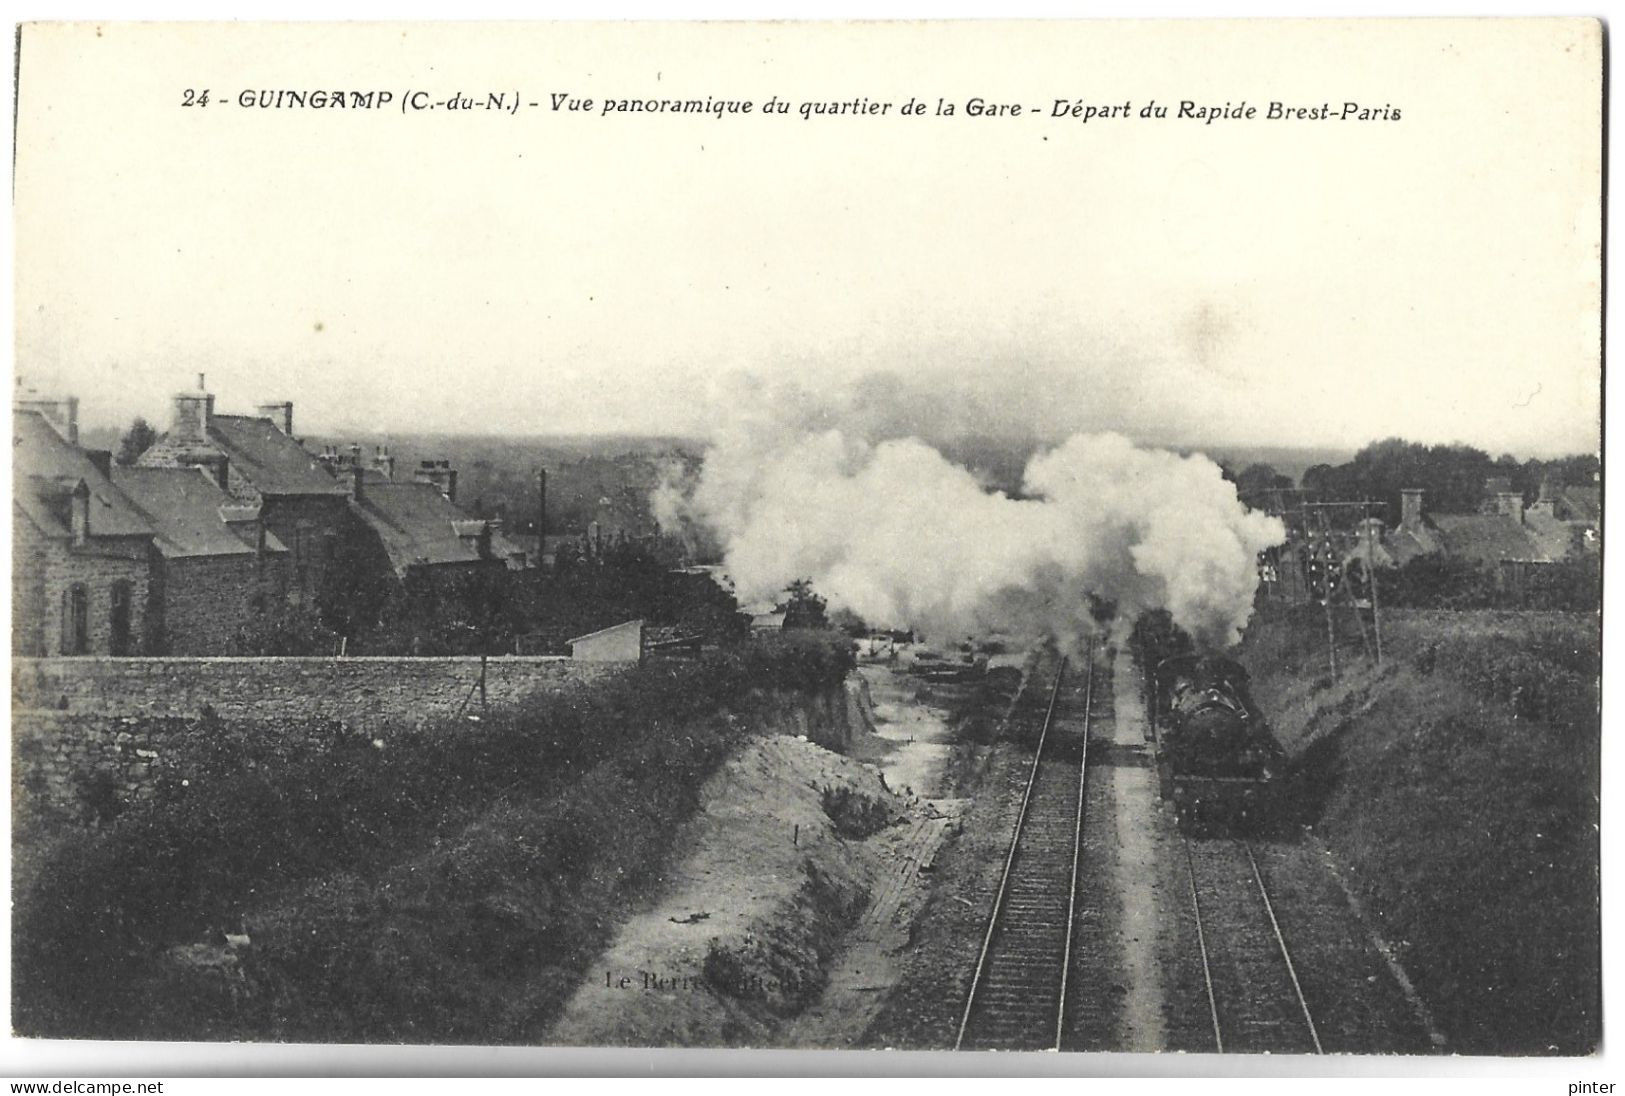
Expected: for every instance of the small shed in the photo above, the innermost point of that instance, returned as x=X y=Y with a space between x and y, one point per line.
x=617 y=643
x=768 y=622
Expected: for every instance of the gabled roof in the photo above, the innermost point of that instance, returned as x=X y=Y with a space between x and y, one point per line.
x=1583 y=503
x=184 y=506
x=417 y=525
x=1488 y=538
x=1409 y=541
x=1555 y=538
x=269 y=459
x=45 y=470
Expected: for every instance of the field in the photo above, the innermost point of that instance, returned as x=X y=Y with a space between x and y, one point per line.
x=1459 y=785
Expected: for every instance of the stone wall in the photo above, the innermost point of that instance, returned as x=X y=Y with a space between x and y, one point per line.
x=46 y=569
x=81 y=768
x=362 y=691
x=207 y=600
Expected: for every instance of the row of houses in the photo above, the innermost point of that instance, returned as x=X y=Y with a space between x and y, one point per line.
x=222 y=518
x=1563 y=523
x=1515 y=540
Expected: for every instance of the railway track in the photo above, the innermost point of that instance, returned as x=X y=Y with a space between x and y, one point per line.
x=1018 y=994
x=1254 y=997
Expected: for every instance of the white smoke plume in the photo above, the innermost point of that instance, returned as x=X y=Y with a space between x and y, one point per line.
x=898 y=534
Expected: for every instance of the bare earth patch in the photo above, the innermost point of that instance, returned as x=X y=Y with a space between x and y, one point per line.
x=786 y=906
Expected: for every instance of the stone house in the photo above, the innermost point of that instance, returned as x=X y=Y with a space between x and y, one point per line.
x=1503 y=532
x=126 y=561
x=258 y=462
x=81 y=551
x=218 y=565
x=415 y=527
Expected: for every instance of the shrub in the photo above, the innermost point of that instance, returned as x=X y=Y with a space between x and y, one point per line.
x=385 y=885
x=854 y=814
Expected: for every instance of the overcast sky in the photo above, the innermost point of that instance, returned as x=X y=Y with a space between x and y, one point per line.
x=1246 y=282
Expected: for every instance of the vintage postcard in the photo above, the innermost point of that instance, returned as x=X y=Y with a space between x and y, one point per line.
x=1028 y=536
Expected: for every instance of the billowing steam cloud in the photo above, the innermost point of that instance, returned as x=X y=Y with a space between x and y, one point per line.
x=895 y=532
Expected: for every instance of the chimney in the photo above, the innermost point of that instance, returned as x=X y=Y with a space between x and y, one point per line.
x=353 y=481
x=281 y=414
x=1510 y=503
x=80 y=520
x=383 y=462
x=440 y=475
x=1410 y=508
x=62 y=414
x=1547 y=502
x=194 y=411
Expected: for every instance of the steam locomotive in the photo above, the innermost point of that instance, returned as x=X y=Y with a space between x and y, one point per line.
x=1216 y=758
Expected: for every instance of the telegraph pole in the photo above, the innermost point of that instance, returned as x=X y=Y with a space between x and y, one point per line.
x=1371 y=578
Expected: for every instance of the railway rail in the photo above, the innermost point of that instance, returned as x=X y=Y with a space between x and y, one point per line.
x=1255 y=1000
x=1018 y=994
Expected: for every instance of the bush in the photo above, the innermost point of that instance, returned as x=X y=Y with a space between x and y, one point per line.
x=854 y=814
x=1438 y=581
x=385 y=883
x=284 y=631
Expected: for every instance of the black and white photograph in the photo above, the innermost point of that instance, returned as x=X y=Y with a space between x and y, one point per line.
x=1073 y=536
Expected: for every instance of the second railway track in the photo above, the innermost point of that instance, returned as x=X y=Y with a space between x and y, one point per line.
x=1018 y=994
x=1254 y=996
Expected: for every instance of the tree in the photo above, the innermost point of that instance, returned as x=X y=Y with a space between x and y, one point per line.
x=804 y=608
x=136 y=440
x=1255 y=482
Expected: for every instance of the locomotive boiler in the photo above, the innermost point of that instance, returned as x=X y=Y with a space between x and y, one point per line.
x=1216 y=758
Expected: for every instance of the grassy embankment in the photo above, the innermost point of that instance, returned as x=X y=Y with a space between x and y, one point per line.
x=443 y=886
x=1459 y=786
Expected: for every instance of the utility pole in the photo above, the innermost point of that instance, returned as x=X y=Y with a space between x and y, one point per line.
x=1371 y=578
x=541 y=515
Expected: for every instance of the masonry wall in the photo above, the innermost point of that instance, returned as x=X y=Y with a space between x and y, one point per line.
x=82 y=768
x=29 y=558
x=367 y=692
x=314 y=529
x=207 y=600
x=44 y=570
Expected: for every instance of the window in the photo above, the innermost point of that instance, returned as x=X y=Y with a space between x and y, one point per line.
x=76 y=620
x=118 y=642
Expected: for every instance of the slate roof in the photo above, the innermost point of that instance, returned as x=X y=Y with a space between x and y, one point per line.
x=417 y=525
x=1407 y=542
x=183 y=506
x=269 y=459
x=1584 y=503
x=45 y=470
x=1488 y=538
x=1555 y=538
